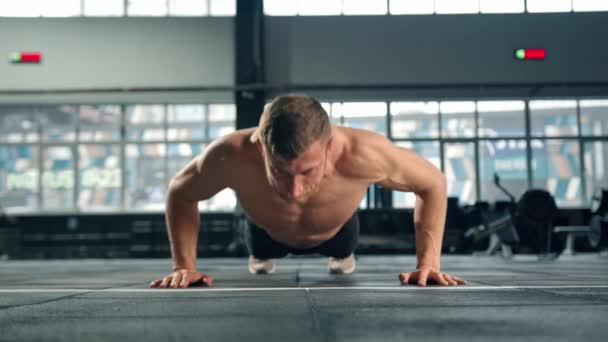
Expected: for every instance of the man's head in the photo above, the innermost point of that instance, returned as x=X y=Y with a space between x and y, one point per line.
x=293 y=136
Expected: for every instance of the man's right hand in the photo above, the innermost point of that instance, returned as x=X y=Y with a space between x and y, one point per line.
x=183 y=278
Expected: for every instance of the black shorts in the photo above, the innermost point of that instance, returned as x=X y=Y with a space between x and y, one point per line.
x=343 y=244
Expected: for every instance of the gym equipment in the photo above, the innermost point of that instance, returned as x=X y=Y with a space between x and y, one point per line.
x=497 y=224
x=597 y=230
x=598 y=227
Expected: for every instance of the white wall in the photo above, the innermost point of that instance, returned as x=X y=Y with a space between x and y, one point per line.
x=117 y=52
x=436 y=49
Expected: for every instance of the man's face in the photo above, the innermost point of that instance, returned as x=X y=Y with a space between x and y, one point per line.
x=297 y=180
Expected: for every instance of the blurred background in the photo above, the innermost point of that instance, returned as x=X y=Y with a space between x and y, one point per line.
x=103 y=101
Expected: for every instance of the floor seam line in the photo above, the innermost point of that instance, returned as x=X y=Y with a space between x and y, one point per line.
x=315 y=318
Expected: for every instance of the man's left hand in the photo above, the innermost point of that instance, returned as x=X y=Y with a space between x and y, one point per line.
x=431 y=275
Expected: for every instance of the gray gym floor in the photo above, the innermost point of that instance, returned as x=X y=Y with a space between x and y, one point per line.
x=521 y=299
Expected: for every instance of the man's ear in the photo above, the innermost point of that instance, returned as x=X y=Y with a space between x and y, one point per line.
x=260 y=148
x=329 y=143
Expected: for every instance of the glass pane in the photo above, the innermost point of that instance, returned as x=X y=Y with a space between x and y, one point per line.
x=104 y=7
x=327 y=107
x=224 y=200
x=589 y=5
x=222 y=120
x=596 y=164
x=364 y=7
x=147 y=7
x=365 y=115
x=179 y=155
x=58 y=178
x=58 y=123
x=99 y=123
x=21 y=8
x=507 y=158
x=456 y=6
x=19 y=177
x=501 y=118
x=319 y=7
x=145 y=122
x=556 y=168
x=335 y=116
x=145 y=176
x=18 y=124
x=460 y=171
x=553 y=118
x=414 y=119
x=100 y=177
x=280 y=7
x=186 y=122
x=223 y=7
x=458 y=119
x=594 y=117
x=60 y=8
x=188 y=7
x=412 y=6
x=429 y=150
x=502 y=6
x=549 y=5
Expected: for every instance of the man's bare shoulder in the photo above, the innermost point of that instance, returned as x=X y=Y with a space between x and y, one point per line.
x=238 y=143
x=361 y=156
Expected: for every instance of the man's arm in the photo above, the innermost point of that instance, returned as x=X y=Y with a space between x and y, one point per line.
x=407 y=171
x=203 y=177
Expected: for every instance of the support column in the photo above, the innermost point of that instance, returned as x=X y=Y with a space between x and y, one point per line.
x=249 y=61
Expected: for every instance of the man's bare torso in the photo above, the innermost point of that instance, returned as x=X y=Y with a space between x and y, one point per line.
x=302 y=225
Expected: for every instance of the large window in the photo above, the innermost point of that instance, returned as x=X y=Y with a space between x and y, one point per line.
x=145 y=123
x=596 y=164
x=507 y=159
x=364 y=115
x=456 y=6
x=146 y=179
x=221 y=120
x=425 y=7
x=147 y=7
x=553 y=118
x=457 y=119
x=59 y=123
x=103 y=157
x=19 y=177
x=593 y=117
x=459 y=163
x=501 y=118
x=121 y=157
x=103 y=8
x=58 y=178
x=18 y=124
x=186 y=122
x=414 y=120
x=428 y=150
x=99 y=123
x=549 y=5
x=556 y=168
x=100 y=177
x=112 y=8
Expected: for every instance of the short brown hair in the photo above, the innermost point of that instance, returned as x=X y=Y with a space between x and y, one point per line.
x=290 y=124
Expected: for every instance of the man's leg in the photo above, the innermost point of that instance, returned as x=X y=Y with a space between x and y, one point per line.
x=340 y=249
x=262 y=249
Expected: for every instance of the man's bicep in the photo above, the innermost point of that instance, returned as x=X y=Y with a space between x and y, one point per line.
x=408 y=171
x=202 y=177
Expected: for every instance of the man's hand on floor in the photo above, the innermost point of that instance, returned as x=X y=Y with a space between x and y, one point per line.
x=425 y=274
x=183 y=278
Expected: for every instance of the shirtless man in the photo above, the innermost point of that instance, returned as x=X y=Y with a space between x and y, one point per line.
x=300 y=180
